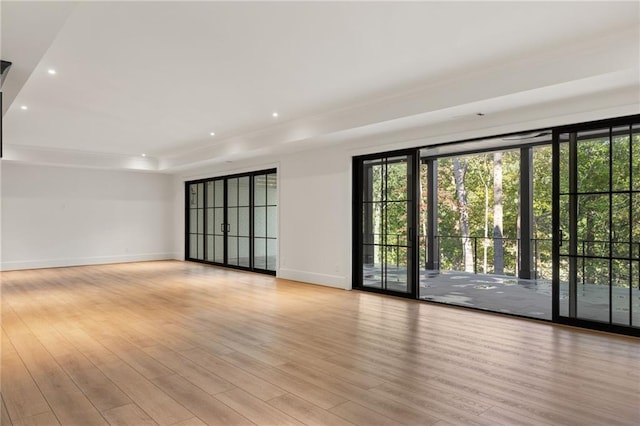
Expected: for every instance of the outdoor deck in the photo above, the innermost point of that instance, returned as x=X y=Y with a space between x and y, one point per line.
x=512 y=295
x=531 y=298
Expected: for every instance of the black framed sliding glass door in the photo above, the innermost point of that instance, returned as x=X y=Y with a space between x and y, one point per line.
x=597 y=214
x=232 y=221
x=384 y=209
x=488 y=224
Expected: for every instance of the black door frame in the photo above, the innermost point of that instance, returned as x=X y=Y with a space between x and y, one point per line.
x=572 y=129
x=412 y=238
x=224 y=179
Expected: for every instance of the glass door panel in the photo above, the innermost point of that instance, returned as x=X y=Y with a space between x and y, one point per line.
x=232 y=222
x=272 y=221
x=215 y=221
x=196 y=221
x=260 y=221
x=597 y=260
x=244 y=221
x=265 y=221
x=386 y=220
x=209 y=212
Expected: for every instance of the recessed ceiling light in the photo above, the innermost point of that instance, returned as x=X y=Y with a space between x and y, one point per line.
x=24 y=107
x=212 y=133
x=52 y=71
x=144 y=155
x=275 y=114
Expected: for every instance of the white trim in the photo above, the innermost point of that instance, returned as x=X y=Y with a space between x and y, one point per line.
x=217 y=171
x=314 y=278
x=98 y=260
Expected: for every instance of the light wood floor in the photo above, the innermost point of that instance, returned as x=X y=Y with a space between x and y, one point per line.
x=174 y=343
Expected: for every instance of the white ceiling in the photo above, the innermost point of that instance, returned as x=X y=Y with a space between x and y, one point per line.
x=158 y=77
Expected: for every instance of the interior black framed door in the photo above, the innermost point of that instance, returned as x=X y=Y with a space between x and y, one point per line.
x=232 y=221
x=385 y=215
x=596 y=280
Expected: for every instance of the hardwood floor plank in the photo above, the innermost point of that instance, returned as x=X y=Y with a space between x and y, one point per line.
x=86 y=344
x=4 y=414
x=369 y=399
x=306 y=412
x=207 y=341
x=422 y=394
x=303 y=389
x=67 y=401
x=547 y=409
x=199 y=402
x=101 y=391
x=352 y=376
x=506 y=417
x=137 y=358
x=256 y=410
x=197 y=375
x=11 y=323
x=194 y=421
x=157 y=404
x=436 y=410
x=240 y=378
x=44 y=419
x=19 y=391
x=128 y=415
x=362 y=416
x=386 y=372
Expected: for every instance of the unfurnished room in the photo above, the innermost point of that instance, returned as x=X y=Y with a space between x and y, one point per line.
x=320 y=213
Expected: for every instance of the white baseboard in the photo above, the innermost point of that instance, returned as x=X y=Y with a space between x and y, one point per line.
x=98 y=260
x=336 y=281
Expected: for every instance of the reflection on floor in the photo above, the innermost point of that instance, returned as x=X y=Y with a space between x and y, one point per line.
x=531 y=298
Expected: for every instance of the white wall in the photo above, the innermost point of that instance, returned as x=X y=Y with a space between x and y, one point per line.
x=314 y=229
x=315 y=217
x=58 y=216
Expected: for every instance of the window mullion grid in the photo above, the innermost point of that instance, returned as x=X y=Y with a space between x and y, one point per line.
x=630 y=206
x=610 y=225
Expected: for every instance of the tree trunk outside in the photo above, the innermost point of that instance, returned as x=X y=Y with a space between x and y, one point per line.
x=519 y=234
x=498 y=246
x=424 y=214
x=459 y=170
x=485 y=241
x=590 y=236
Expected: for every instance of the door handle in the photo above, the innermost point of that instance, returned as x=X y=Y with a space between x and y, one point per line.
x=228 y=227
x=560 y=245
x=222 y=227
